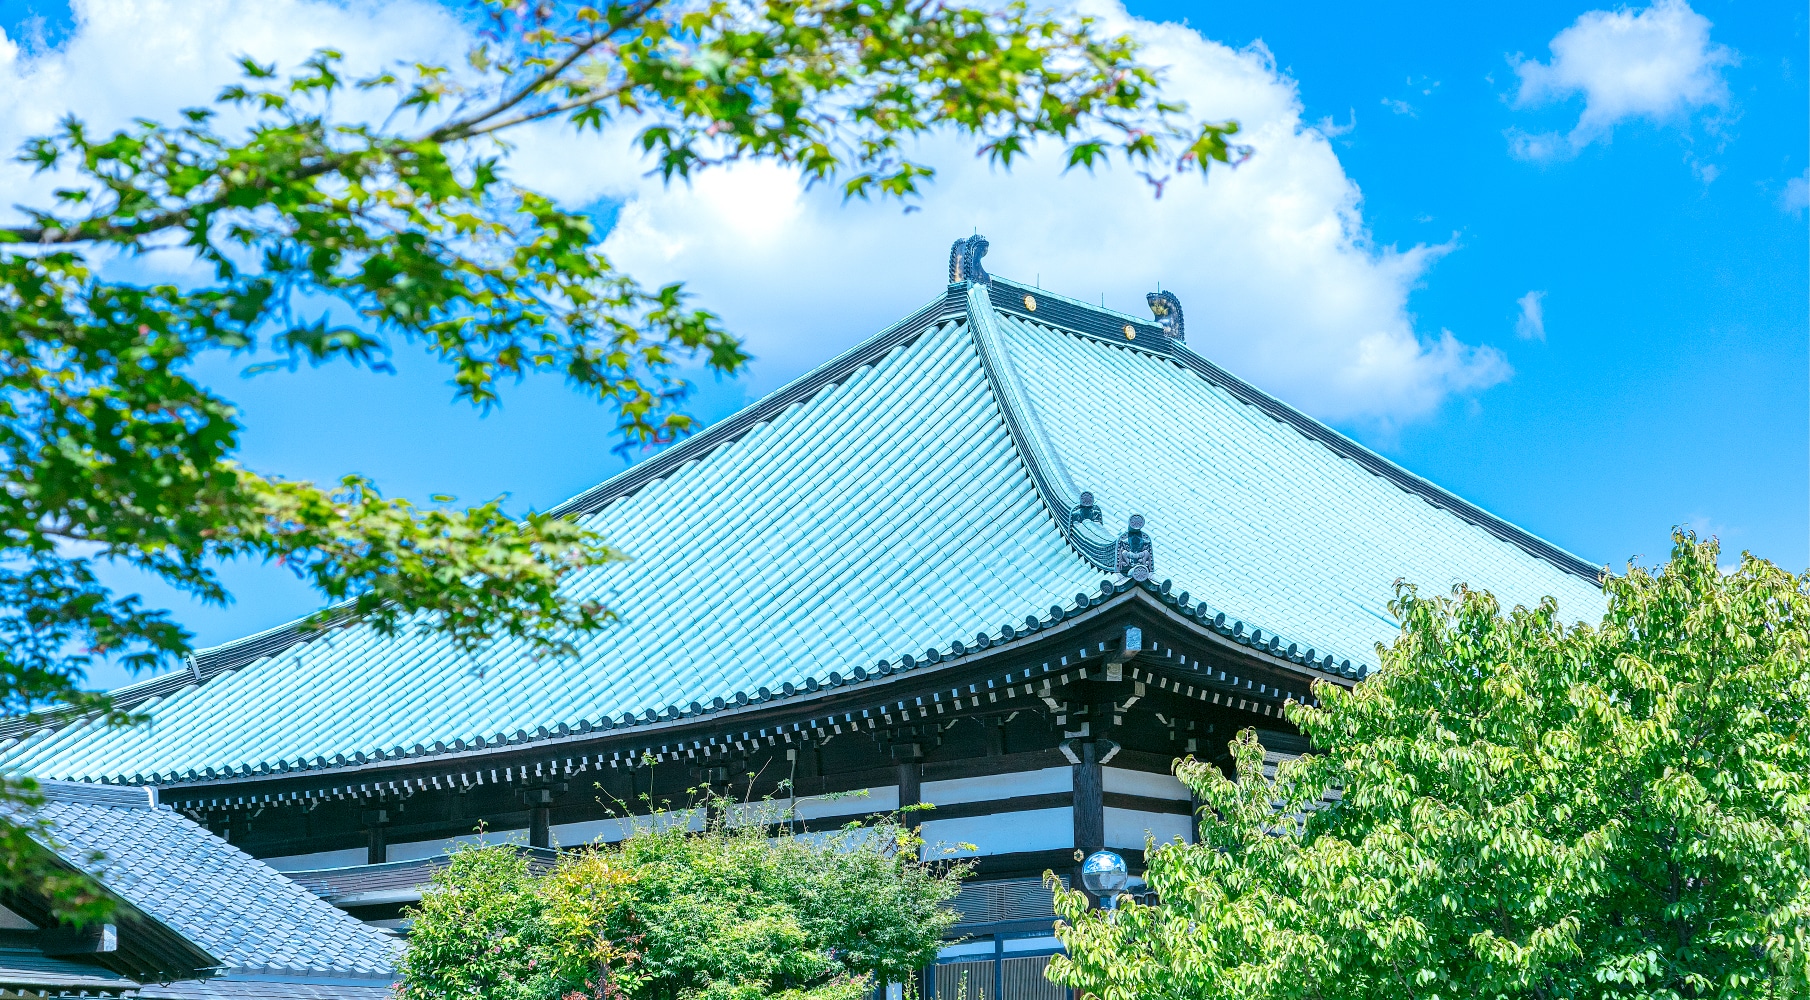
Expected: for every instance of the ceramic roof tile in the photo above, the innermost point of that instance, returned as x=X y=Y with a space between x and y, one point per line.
x=233 y=906
x=232 y=988
x=1249 y=514
x=895 y=500
x=887 y=514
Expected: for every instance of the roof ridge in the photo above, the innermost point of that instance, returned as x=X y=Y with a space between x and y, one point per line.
x=1070 y=507
x=1045 y=294
x=730 y=429
x=1101 y=323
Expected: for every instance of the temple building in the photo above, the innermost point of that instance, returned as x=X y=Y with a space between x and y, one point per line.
x=1011 y=557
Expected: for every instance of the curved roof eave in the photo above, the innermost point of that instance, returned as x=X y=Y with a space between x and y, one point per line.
x=977 y=303
x=1113 y=596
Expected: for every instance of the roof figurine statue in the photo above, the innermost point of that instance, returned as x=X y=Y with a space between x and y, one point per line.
x=1086 y=510
x=1168 y=310
x=1136 y=556
x=964 y=260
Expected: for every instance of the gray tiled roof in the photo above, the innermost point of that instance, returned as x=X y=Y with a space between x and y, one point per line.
x=355 y=885
x=30 y=969
x=233 y=906
x=270 y=988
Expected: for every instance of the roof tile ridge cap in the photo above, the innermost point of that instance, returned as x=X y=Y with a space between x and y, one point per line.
x=1432 y=492
x=130 y=696
x=304 y=629
x=1048 y=472
x=1093 y=307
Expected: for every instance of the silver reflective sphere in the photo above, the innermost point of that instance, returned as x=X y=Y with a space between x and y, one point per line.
x=1104 y=873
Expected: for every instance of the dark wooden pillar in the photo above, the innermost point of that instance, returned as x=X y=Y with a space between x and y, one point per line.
x=540 y=813
x=807 y=770
x=376 y=848
x=911 y=777
x=1090 y=804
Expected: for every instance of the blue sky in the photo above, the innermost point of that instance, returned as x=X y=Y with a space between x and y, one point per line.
x=1550 y=255
x=1671 y=384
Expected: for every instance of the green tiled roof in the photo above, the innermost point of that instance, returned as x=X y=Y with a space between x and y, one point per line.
x=915 y=492
x=1250 y=515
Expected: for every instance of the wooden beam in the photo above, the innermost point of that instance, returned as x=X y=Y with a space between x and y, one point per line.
x=376 y=848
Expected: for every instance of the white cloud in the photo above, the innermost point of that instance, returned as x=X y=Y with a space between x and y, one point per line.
x=1796 y=196
x=129 y=58
x=1531 y=324
x=1657 y=63
x=1273 y=261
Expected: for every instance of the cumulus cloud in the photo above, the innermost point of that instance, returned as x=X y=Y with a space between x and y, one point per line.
x=1278 y=272
x=1796 y=196
x=1657 y=64
x=1273 y=262
x=130 y=58
x=1531 y=324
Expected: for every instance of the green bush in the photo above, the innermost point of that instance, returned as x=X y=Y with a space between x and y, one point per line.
x=726 y=914
x=1527 y=809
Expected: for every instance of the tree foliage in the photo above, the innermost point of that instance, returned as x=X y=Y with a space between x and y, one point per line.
x=1521 y=808
x=322 y=236
x=727 y=914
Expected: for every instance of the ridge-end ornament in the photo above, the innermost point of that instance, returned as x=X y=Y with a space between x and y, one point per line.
x=1086 y=510
x=1168 y=311
x=964 y=261
x=1135 y=556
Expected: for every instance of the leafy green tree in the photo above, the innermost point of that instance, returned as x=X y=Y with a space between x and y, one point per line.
x=481 y=932
x=329 y=239
x=1513 y=807
x=726 y=914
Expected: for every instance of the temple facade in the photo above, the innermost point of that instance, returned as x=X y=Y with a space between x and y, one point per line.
x=1010 y=557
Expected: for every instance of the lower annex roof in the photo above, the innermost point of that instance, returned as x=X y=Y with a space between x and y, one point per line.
x=246 y=916
x=911 y=493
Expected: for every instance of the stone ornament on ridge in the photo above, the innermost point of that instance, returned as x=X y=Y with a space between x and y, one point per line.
x=1168 y=311
x=1087 y=510
x=1136 y=557
x=964 y=261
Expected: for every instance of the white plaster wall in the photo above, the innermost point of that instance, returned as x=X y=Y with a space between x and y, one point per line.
x=997 y=786
x=319 y=859
x=609 y=831
x=1032 y=944
x=1125 y=828
x=1155 y=786
x=1000 y=833
x=416 y=850
x=865 y=802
